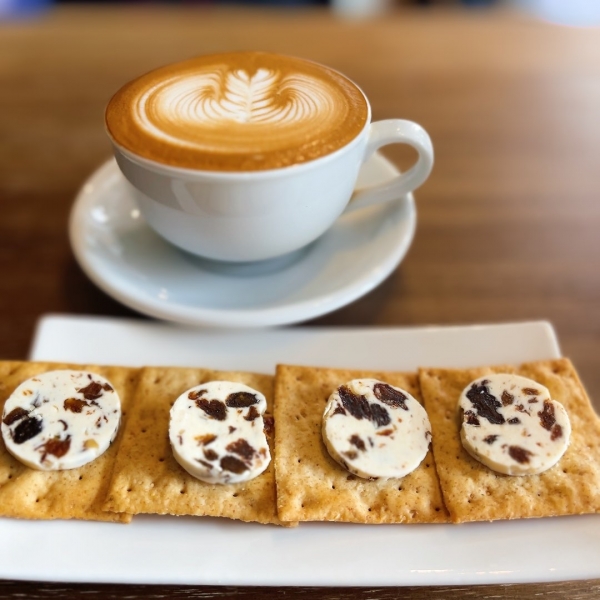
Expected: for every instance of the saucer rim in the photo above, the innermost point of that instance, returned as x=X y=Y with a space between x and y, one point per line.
x=295 y=312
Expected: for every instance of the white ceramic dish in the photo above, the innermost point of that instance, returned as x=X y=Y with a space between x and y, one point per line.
x=202 y=551
x=129 y=261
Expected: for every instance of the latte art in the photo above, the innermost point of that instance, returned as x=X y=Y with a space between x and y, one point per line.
x=200 y=110
x=240 y=97
x=243 y=111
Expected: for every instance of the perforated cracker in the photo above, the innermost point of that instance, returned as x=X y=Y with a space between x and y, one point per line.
x=311 y=486
x=147 y=479
x=71 y=494
x=473 y=492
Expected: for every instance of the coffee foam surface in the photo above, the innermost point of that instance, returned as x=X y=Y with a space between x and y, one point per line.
x=238 y=111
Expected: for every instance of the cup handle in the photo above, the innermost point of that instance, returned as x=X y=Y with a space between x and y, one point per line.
x=395 y=131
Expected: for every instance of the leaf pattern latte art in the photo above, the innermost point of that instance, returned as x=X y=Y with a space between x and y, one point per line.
x=189 y=108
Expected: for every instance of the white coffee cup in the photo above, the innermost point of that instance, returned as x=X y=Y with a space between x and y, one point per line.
x=257 y=215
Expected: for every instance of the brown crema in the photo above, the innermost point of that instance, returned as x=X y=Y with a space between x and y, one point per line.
x=241 y=111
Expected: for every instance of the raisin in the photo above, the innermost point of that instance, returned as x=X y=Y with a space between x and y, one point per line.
x=556 y=432
x=242 y=448
x=339 y=410
x=74 y=405
x=233 y=464
x=385 y=432
x=94 y=390
x=507 y=398
x=56 y=447
x=388 y=395
x=205 y=440
x=26 y=430
x=356 y=441
x=16 y=414
x=485 y=403
x=519 y=454
x=490 y=439
x=379 y=415
x=471 y=418
x=530 y=391
x=210 y=454
x=252 y=414
x=546 y=415
x=359 y=407
x=241 y=400
x=196 y=394
x=269 y=425
x=213 y=408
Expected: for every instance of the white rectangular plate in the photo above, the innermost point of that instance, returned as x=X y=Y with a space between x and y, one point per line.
x=189 y=550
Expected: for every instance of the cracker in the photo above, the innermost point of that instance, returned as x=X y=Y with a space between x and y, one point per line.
x=148 y=479
x=311 y=486
x=72 y=494
x=473 y=492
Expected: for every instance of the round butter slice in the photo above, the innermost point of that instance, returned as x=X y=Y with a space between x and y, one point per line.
x=374 y=430
x=61 y=419
x=511 y=424
x=217 y=432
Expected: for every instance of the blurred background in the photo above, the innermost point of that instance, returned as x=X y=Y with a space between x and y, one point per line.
x=566 y=12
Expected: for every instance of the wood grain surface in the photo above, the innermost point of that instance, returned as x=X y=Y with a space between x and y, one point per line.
x=508 y=224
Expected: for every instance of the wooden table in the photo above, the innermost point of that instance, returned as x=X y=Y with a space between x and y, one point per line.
x=508 y=223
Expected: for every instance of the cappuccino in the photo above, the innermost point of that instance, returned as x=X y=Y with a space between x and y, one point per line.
x=241 y=111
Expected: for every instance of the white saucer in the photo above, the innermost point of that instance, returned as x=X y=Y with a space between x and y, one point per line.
x=126 y=259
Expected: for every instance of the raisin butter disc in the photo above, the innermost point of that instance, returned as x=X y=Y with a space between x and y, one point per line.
x=217 y=432
x=61 y=419
x=373 y=429
x=511 y=424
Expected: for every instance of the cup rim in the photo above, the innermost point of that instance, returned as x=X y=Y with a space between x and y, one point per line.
x=260 y=174
x=279 y=171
